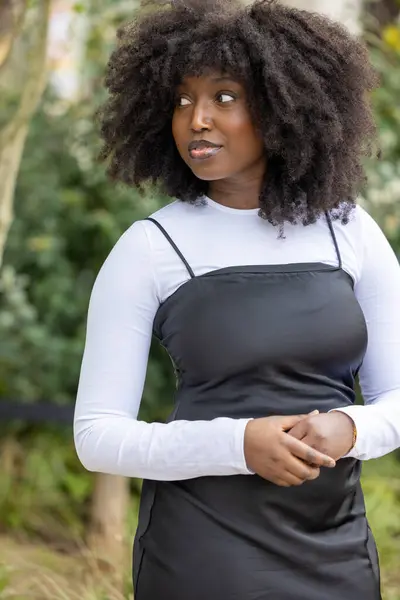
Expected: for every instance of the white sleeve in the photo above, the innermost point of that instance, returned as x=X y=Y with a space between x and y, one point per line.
x=108 y=436
x=378 y=292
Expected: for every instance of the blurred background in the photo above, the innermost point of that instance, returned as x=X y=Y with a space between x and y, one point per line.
x=66 y=534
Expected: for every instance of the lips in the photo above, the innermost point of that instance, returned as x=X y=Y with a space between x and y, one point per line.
x=202 y=149
x=202 y=144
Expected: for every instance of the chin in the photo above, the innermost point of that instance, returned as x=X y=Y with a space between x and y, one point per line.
x=208 y=177
x=208 y=173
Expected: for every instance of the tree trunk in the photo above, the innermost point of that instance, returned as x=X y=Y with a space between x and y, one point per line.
x=12 y=14
x=106 y=533
x=15 y=128
x=10 y=159
x=347 y=12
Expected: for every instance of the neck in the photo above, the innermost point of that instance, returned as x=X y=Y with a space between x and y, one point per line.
x=240 y=193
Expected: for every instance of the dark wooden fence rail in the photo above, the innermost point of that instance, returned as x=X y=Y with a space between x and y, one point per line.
x=41 y=412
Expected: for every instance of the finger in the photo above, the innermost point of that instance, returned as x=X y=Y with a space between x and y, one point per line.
x=287 y=422
x=281 y=482
x=315 y=472
x=299 y=431
x=300 y=469
x=290 y=421
x=310 y=440
x=292 y=480
x=308 y=454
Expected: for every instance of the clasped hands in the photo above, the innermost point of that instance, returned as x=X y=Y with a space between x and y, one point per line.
x=289 y=451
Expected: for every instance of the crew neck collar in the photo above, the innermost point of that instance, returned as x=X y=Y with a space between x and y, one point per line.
x=229 y=210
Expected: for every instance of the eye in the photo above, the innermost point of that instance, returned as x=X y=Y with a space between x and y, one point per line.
x=224 y=98
x=182 y=101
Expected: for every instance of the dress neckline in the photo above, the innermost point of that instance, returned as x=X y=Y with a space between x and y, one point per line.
x=278 y=269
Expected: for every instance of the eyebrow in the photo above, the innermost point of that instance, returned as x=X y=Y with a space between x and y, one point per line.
x=223 y=78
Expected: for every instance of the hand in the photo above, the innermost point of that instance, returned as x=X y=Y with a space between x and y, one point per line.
x=330 y=433
x=278 y=457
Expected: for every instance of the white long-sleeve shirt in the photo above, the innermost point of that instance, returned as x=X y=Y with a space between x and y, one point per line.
x=143 y=270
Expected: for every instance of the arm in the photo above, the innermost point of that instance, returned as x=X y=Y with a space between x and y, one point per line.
x=378 y=292
x=108 y=436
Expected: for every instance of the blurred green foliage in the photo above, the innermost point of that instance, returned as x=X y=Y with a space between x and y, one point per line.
x=68 y=216
x=382 y=195
x=44 y=492
x=44 y=480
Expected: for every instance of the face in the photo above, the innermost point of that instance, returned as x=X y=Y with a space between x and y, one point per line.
x=214 y=131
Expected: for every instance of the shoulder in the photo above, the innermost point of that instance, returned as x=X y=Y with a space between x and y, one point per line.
x=138 y=235
x=173 y=210
x=181 y=220
x=360 y=221
x=353 y=238
x=368 y=243
x=132 y=242
x=360 y=231
x=137 y=238
x=176 y=214
x=132 y=254
x=142 y=242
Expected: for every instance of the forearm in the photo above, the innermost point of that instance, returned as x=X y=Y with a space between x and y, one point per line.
x=176 y=451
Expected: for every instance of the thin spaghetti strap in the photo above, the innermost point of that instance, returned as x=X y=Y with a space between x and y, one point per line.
x=175 y=247
x=331 y=229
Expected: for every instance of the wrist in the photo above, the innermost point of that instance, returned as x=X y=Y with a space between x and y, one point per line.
x=353 y=430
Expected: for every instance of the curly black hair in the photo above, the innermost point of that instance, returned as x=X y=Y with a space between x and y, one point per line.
x=307 y=81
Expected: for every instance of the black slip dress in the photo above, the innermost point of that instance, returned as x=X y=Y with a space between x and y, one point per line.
x=257 y=341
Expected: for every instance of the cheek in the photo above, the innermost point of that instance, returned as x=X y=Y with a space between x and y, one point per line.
x=245 y=138
x=238 y=124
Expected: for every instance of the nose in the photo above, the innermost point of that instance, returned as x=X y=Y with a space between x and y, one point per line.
x=201 y=118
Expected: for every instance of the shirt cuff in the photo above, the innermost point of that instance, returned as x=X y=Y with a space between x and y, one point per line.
x=240 y=459
x=362 y=421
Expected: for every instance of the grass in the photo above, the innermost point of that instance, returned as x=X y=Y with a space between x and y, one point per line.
x=36 y=572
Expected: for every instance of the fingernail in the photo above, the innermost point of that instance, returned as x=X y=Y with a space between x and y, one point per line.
x=314 y=412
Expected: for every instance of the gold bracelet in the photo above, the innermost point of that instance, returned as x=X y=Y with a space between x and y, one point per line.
x=354 y=437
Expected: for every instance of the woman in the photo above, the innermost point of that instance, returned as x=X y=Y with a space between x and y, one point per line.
x=270 y=289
